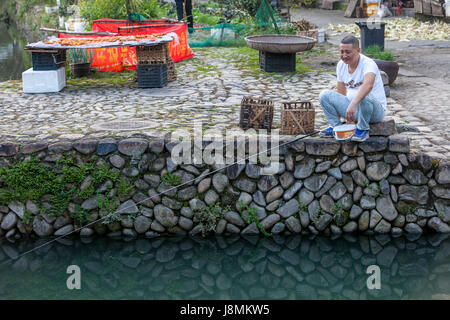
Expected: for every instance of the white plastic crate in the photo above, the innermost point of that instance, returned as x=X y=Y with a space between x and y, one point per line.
x=43 y=81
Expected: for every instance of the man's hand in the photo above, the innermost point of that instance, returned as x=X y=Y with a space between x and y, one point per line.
x=350 y=116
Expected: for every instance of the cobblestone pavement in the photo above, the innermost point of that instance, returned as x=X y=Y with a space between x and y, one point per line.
x=209 y=88
x=423 y=90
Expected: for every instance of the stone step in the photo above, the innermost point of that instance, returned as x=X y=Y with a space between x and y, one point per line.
x=383 y=128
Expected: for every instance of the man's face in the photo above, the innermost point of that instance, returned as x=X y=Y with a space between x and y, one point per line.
x=348 y=54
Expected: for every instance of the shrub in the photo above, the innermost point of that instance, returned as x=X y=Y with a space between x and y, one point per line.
x=209 y=217
x=375 y=52
x=171 y=179
x=249 y=6
x=116 y=9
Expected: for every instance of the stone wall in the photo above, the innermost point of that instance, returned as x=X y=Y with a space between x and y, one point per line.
x=322 y=186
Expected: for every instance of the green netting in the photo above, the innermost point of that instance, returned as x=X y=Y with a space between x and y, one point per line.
x=136 y=17
x=266 y=15
x=225 y=34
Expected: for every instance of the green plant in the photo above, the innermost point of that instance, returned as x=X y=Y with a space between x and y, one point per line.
x=248 y=6
x=375 y=52
x=80 y=215
x=103 y=173
x=209 y=216
x=171 y=179
x=26 y=180
x=205 y=19
x=308 y=3
x=302 y=207
x=340 y=216
x=315 y=217
x=252 y=216
x=31 y=180
x=27 y=217
x=106 y=205
x=116 y=9
x=86 y=193
x=124 y=188
x=60 y=203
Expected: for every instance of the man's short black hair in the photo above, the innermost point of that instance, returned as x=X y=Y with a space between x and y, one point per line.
x=351 y=40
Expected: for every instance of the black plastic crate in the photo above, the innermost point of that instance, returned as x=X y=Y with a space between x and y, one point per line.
x=152 y=75
x=43 y=61
x=277 y=62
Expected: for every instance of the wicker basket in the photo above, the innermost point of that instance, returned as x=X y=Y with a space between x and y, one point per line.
x=153 y=55
x=171 y=71
x=297 y=118
x=313 y=33
x=256 y=113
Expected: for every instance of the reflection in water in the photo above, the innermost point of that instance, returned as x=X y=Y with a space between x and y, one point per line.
x=229 y=268
x=13 y=60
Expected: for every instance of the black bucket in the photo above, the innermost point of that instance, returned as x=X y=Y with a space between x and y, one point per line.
x=80 y=69
x=372 y=33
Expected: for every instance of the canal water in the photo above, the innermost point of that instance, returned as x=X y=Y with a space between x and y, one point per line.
x=13 y=60
x=295 y=267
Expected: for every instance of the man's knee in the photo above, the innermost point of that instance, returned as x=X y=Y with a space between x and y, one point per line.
x=325 y=95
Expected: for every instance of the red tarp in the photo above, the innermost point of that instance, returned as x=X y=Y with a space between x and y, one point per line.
x=120 y=58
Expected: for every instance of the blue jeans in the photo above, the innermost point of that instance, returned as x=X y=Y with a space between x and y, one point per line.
x=334 y=104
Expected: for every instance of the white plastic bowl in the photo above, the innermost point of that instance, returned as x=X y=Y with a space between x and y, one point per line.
x=344 y=132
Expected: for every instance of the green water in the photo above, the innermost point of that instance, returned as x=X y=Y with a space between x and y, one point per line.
x=229 y=268
x=13 y=60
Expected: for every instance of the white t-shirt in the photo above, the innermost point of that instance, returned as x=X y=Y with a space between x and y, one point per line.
x=355 y=80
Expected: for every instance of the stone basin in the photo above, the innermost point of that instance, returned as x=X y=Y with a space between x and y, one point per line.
x=280 y=43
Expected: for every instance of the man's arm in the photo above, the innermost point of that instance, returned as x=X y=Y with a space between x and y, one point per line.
x=363 y=91
x=341 y=88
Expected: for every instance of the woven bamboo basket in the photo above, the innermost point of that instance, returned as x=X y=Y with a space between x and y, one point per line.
x=153 y=55
x=313 y=33
x=256 y=113
x=297 y=118
x=171 y=71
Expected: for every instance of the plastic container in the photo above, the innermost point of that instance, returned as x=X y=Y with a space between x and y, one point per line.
x=43 y=81
x=344 y=132
x=371 y=34
x=277 y=62
x=47 y=61
x=321 y=36
x=152 y=75
x=80 y=69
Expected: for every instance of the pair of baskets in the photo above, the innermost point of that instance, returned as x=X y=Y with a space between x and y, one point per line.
x=297 y=117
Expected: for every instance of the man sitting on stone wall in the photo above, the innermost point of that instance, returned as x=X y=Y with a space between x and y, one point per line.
x=359 y=96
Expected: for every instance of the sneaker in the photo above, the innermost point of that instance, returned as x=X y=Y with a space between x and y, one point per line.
x=327 y=133
x=360 y=135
